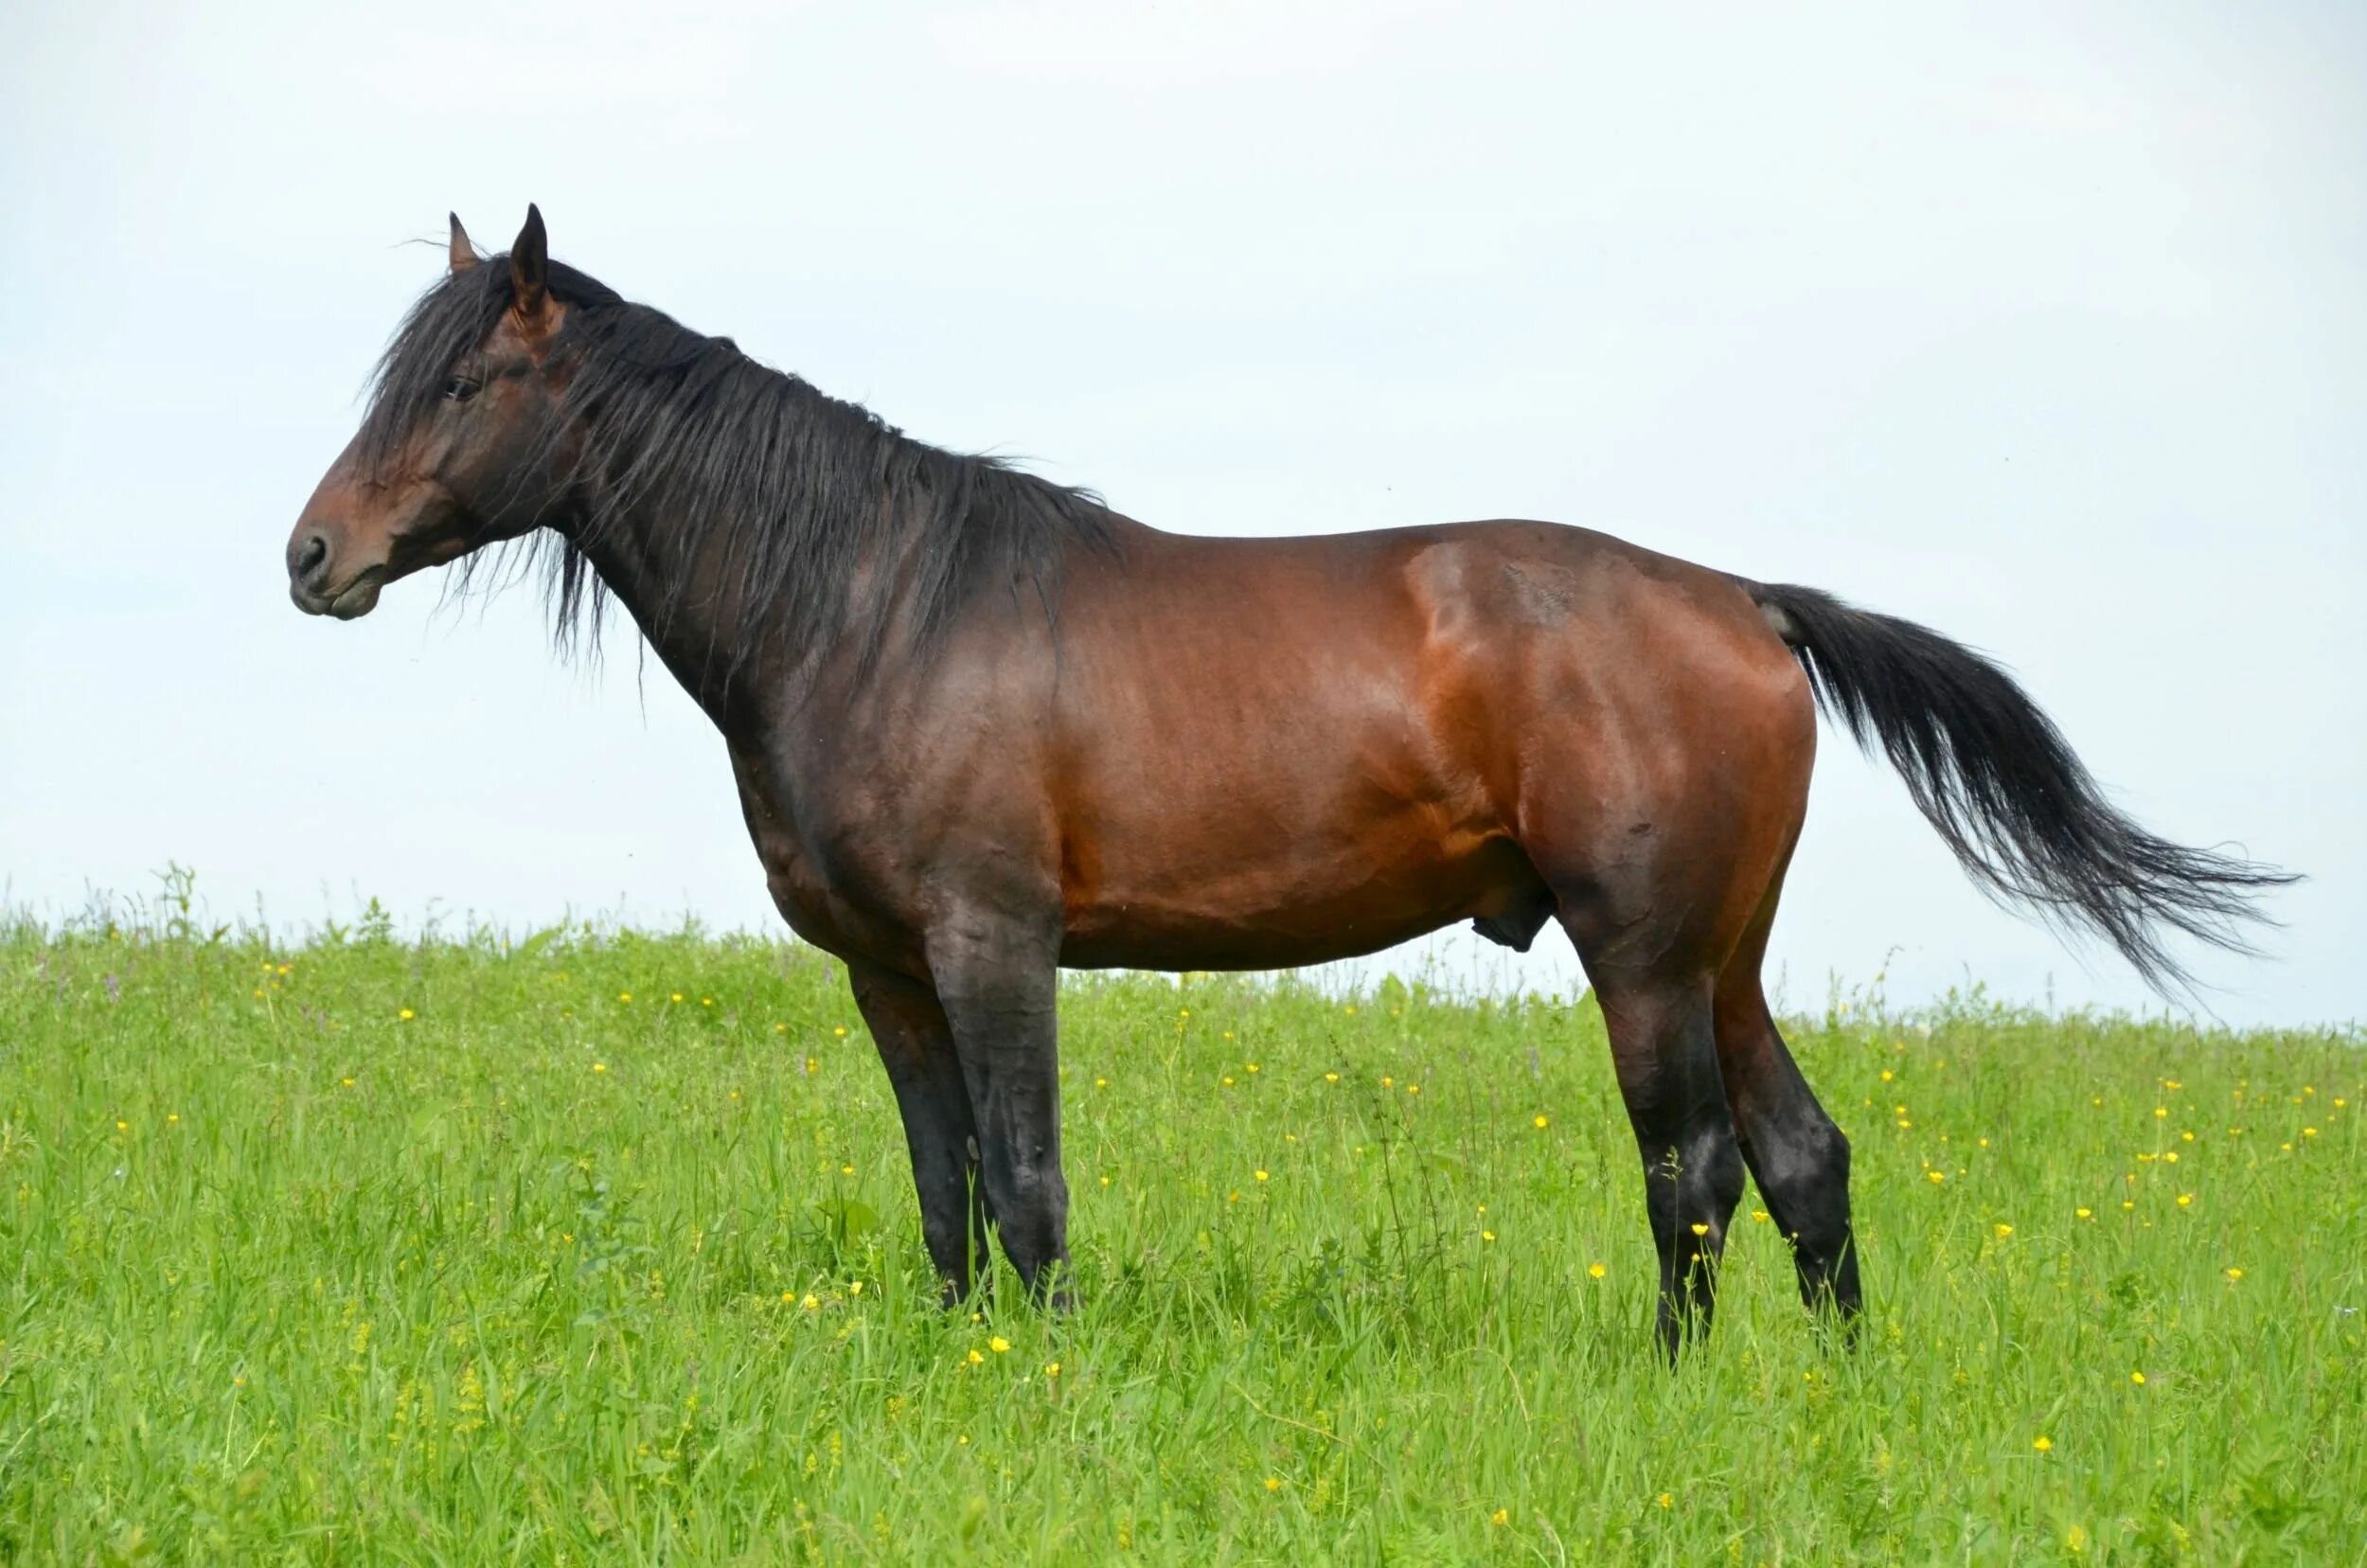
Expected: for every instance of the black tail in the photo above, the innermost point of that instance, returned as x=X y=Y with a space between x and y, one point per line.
x=1998 y=781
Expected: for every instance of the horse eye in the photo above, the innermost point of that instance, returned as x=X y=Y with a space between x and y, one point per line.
x=459 y=389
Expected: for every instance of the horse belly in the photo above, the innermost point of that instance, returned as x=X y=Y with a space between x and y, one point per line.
x=1286 y=909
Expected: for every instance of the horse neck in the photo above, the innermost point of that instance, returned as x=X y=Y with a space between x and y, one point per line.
x=690 y=615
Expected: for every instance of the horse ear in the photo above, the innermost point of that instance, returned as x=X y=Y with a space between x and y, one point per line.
x=463 y=252
x=530 y=268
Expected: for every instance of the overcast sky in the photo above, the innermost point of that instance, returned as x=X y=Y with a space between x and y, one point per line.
x=2044 y=325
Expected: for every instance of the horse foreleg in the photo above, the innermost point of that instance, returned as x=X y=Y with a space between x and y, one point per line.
x=999 y=983
x=917 y=1046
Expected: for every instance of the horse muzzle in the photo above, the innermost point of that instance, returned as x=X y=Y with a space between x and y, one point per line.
x=311 y=585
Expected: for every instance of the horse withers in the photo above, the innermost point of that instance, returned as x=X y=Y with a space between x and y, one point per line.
x=984 y=727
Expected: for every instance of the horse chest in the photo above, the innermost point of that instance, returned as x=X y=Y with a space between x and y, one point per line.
x=792 y=872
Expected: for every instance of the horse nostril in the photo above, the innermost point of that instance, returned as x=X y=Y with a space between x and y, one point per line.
x=311 y=557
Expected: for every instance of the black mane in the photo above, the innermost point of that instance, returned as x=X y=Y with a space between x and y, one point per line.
x=805 y=512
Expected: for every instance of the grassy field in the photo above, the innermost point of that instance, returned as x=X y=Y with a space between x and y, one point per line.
x=601 y=1248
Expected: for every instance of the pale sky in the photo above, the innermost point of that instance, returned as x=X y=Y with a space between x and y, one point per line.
x=2043 y=325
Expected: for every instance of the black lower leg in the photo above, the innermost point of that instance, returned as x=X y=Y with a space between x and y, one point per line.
x=1665 y=1052
x=917 y=1046
x=1001 y=990
x=1799 y=1159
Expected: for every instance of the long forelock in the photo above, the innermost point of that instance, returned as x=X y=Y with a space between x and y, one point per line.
x=787 y=493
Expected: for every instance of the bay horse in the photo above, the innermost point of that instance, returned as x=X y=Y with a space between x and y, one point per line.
x=983 y=728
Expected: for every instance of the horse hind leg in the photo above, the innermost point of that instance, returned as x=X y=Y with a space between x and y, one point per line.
x=1797 y=1155
x=1663 y=1048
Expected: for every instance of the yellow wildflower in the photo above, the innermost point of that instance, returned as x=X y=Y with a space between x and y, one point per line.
x=2043 y=1443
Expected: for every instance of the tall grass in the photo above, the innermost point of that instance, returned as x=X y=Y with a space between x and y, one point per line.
x=601 y=1247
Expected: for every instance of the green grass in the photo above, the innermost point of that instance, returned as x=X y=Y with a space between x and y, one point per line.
x=446 y=1252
